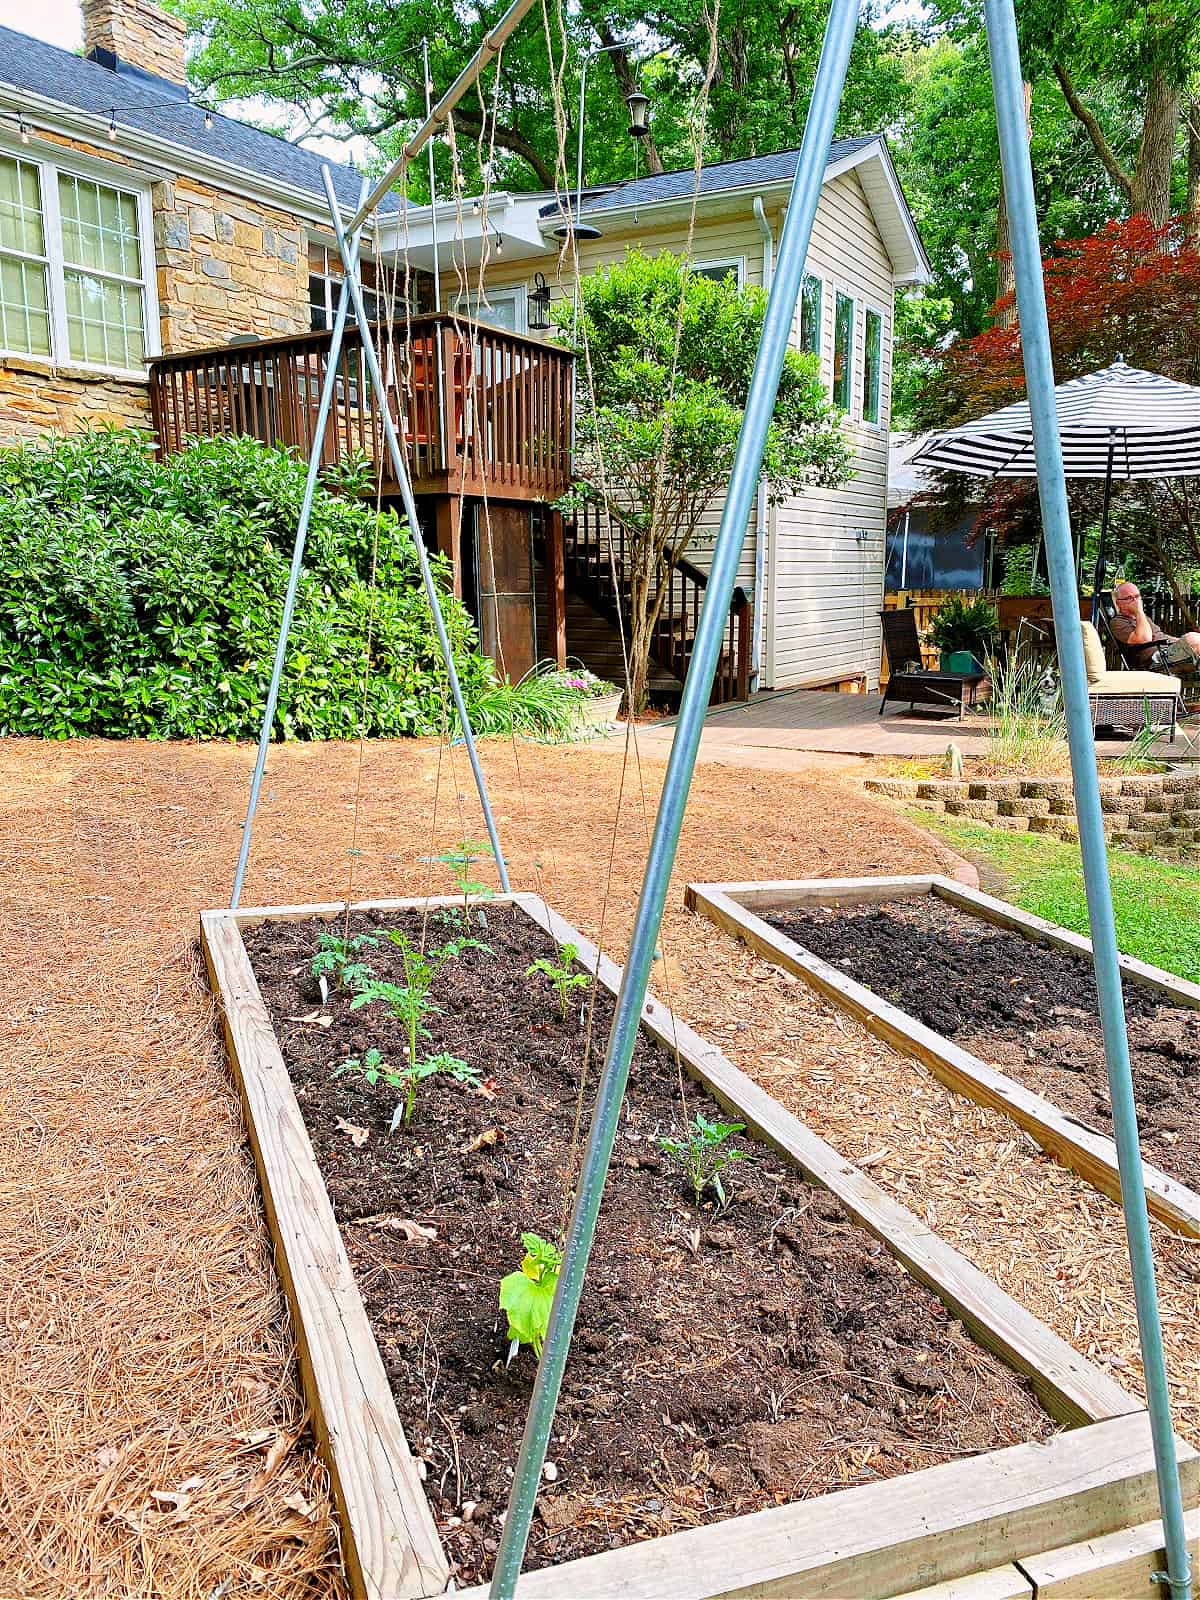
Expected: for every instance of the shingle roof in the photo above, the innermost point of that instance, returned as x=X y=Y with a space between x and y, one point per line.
x=43 y=69
x=778 y=167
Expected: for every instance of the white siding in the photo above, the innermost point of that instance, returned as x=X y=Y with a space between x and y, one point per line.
x=824 y=583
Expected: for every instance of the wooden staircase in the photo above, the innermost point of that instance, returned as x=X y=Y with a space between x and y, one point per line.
x=596 y=570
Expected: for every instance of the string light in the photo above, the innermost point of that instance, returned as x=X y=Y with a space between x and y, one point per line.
x=23 y=130
x=112 y=125
x=208 y=121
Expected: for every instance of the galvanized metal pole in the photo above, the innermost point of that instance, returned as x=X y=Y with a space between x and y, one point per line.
x=289 y=604
x=400 y=468
x=743 y=485
x=488 y=51
x=1056 y=523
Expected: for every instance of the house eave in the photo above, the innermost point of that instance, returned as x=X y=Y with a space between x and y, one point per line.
x=909 y=261
x=164 y=158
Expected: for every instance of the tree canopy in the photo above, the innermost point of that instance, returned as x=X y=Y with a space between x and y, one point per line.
x=1114 y=107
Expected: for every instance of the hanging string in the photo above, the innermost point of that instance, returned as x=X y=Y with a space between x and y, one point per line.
x=570 y=249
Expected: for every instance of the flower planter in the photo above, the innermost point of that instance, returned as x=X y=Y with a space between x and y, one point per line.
x=600 y=711
x=743 y=909
x=888 y=1537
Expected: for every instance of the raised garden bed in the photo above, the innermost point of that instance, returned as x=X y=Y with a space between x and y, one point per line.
x=1001 y=1005
x=726 y=1365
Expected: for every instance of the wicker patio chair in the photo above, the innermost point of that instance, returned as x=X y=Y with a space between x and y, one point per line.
x=909 y=680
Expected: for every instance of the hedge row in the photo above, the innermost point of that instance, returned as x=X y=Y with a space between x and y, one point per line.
x=142 y=598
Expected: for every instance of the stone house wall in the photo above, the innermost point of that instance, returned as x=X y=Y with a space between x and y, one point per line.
x=224 y=266
x=1158 y=814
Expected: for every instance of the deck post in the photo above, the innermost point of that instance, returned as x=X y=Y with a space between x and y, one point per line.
x=556 y=581
x=1008 y=91
x=448 y=515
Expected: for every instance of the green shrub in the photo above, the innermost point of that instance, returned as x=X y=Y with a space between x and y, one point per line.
x=143 y=598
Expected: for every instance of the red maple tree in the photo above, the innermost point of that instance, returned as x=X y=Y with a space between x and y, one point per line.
x=1131 y=290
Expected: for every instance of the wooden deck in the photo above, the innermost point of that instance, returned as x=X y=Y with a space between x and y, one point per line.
x=815 y=720
x=479 y=409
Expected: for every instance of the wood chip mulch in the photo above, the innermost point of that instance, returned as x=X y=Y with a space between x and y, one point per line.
x=152 y=1437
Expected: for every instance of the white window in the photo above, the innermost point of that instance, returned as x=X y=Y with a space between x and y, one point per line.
x=843 y=350
x=873 y=366
x=503 y=308
x=325 y=289
x=75 y=274
x=732 y=266
x=811 y=295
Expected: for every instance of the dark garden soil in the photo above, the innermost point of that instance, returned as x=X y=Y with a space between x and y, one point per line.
x=722 y=1362
x=1024 y=1008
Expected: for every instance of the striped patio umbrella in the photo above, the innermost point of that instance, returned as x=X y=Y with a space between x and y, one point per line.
x=1119 y=424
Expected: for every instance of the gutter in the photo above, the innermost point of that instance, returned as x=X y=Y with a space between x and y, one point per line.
x=164 y=157
x=761 y=517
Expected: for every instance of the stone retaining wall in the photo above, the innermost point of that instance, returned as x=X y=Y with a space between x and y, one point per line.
x=1158 y=814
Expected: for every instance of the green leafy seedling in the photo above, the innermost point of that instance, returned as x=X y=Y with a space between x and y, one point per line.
x=527 y=1294
x=371 y=1066
x=410 y=1003
x=338 y=958
x=560 y=974
x=703 y=1154
x=410 y=1078
x=461 y=860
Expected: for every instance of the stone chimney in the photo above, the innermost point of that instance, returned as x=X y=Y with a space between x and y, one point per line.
x=137 y=34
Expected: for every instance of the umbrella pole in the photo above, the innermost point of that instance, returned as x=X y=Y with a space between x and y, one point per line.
x=1052 y=492
x=1098 y=574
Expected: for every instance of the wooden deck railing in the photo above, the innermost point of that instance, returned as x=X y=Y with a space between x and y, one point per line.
x=479 y=409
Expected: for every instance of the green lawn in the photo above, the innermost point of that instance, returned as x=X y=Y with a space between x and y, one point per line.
x=1157 y=903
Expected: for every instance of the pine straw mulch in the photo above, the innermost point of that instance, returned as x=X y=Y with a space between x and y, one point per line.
x=152 y=1438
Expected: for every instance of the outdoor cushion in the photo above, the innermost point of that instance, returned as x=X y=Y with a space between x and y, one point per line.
x=1133 y=683
x=1093 y=654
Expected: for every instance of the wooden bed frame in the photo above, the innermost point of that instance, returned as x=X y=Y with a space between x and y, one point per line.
x=952 y=1522
x=736 y=907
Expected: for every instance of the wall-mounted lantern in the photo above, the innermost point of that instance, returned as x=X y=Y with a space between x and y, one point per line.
x=538 y=303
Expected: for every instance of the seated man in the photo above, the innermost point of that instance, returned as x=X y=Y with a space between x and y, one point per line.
x=1139 y=635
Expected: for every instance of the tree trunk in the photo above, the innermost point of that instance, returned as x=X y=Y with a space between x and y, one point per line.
x=641 y=633
x=1148 y=187
x=1150 y=190
x=1006 y=280
x=1193 y=168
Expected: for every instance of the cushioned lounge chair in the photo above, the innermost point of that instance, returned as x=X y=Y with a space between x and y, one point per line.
x=1127 y=699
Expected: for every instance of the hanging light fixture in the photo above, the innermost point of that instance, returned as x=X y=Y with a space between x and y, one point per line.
x=639 y=107
x=538 y=303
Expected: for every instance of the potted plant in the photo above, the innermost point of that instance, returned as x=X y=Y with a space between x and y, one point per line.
x=965 y=633
x=600 y=701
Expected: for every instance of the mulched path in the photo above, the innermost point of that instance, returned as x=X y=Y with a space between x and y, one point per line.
x=152 y=1442
x=724 y=1361
x=1024 y=1008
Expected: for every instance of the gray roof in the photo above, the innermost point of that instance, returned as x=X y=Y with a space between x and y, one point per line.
x=33 y=66
x=778 y=167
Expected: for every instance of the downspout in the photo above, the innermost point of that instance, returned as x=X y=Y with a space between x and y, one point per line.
x=761 y=511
